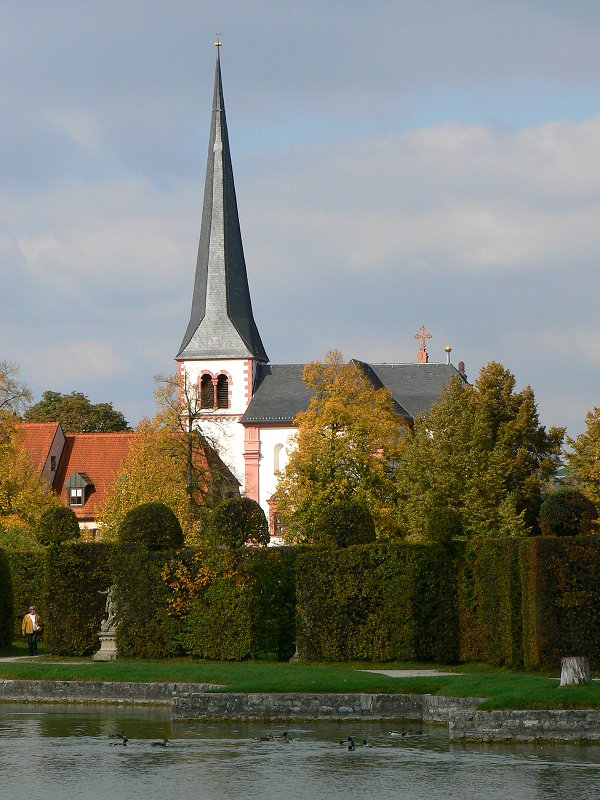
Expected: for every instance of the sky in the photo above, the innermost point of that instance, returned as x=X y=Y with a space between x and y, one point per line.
x=397 y=164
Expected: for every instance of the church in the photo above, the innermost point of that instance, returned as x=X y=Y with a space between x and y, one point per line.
x=248 y=404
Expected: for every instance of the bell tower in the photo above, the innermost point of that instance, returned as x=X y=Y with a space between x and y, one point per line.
x=221 y=347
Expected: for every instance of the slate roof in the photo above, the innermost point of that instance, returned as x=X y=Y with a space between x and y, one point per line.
x=221 y=322
x=414 y=387
x=38 y=439
x=99 y=456
x=279 y=392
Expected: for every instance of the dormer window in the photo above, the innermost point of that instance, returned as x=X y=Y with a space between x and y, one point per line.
x=75 y=497
x=77 y=487
x=52 y=463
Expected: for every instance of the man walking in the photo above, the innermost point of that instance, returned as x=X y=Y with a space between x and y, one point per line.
x=31 y=627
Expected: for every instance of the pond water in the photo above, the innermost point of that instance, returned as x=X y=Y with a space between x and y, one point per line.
x=58 y=752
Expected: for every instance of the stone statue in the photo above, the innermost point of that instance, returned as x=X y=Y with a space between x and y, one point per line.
x=110 y=621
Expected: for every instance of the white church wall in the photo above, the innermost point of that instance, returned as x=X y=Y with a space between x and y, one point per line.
x=270 y=438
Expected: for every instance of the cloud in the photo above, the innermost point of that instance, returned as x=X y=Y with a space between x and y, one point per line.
x=65 y=363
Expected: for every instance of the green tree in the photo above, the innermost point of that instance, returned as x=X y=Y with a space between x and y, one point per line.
x=568 y=512
x=583 y=458
x=238 y=521
x=76 y=413
x=347 y=440
x=480 y=452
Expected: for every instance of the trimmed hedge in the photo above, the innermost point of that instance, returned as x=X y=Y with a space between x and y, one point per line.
x=75 y=574
x=28 y=578
x=490 y=601
x=561 y=599
x=243 y=604
x=145 y=627
x=6 y=601
x=382 y=602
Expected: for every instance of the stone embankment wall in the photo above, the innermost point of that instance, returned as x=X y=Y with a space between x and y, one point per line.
x=200 y=701
x=525 y=726
x=95 y=691
x=428 y=708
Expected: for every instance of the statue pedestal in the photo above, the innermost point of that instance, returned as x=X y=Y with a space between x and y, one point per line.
x=108 y=646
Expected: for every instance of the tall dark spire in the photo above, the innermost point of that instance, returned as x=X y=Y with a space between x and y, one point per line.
x=221 y=323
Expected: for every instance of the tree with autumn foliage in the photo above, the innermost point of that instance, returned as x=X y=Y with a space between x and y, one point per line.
x=480 y=455
x=15 y=395
x=170 y=461
x=583 y=457
x=346 y=443
x=24 y=494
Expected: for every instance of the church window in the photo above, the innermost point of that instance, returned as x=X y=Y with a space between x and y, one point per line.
x=207 y=392
x=277 y=465
x=222 y=392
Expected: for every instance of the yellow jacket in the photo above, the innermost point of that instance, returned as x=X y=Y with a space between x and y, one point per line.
x=27 y=626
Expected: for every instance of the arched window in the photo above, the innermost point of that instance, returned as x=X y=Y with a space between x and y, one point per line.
x=277 y=458
x=207 y=392
x=222 y=392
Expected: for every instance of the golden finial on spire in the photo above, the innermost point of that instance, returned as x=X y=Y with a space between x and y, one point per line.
x=218 y=42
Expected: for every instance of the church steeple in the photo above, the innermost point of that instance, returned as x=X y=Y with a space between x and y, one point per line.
x=221 y=323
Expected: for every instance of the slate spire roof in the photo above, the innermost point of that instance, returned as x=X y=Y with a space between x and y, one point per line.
x=221 y=323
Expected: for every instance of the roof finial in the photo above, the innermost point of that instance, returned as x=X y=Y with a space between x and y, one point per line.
x=217 y=44
x=422 y=357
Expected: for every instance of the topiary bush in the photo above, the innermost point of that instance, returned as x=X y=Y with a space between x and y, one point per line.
x=568 y=512
x=57 y=525
x=153 y=525
x=345 y=523
x=239 y=521
x=443 y=524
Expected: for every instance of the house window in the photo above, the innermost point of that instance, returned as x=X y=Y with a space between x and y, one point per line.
x=75 y=497
x=207 y=392
x=52 y=463
x=222 y=392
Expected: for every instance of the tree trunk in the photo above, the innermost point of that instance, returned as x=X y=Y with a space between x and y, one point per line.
x=574 y=671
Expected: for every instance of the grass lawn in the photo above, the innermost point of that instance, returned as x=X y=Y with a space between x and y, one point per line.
x=501 y=689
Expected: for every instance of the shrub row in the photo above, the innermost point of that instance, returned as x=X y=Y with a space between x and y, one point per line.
x=561 y=599
x=377 y=603
x=27 y=580
x=507 y=602
x=76 y=572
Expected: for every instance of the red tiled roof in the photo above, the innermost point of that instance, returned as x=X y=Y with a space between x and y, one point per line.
x=98 y=455
x=38 y=438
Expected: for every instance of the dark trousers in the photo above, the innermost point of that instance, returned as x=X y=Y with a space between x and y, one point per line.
x=32 y=643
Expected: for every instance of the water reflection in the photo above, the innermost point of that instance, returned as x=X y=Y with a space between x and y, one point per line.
x=52 y=752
